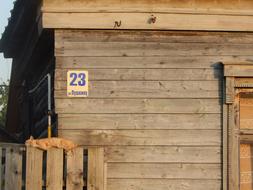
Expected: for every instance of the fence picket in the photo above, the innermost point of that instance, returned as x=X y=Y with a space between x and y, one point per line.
x=13 y=172
x=54 y=169
x=95 y=169
x=75 y=170
x=34 y=159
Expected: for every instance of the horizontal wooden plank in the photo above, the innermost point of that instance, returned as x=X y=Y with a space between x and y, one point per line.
x=12 y=145
x=142 y=21
x=163 y=171
x=146 y=74
x=209 y=6
x=137 y=106
x=246 y=131
x=147 y=89
x=163 y=154
x=163 y=184
x=143 y=137
x=153 y=36
x=139 y=121
x=244 y=82
x=246 y=138
x=238 y=70
x=170 y=62
x=149 y=49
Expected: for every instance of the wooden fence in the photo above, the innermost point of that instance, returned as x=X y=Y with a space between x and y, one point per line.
x=28 y=168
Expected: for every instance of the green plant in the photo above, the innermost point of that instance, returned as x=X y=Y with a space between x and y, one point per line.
x=4 y=91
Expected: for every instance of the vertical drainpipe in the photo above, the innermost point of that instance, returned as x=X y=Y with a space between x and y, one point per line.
x=49 y=102
x=49 y=129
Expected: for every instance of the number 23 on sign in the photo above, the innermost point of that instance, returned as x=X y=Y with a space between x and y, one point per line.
x=77 y=83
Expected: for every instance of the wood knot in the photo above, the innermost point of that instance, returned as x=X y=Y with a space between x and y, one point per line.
x=152 y=19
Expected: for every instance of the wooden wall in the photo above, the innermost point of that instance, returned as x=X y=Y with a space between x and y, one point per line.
x=155 y=103
x=216 y=15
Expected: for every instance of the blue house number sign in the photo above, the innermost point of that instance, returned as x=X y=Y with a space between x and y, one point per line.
x=77 y=83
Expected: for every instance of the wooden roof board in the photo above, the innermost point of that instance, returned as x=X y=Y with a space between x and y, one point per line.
x=206 y=6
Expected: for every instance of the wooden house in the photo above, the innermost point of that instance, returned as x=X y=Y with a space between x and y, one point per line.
x=170 y=89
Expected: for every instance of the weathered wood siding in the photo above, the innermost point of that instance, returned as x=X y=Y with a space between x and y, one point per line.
x=165 y=6
x=215 y=15
x=155 y=103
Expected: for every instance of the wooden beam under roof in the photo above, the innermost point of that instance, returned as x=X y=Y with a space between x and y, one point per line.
x=209 y=15
x=165 y=6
